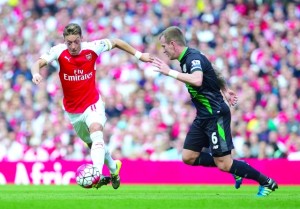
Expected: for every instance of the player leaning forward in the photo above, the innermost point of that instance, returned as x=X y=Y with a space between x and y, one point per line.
x=211 y=127
x=82 y=101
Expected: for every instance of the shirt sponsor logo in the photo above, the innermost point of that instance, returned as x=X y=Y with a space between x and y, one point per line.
x=78 y=76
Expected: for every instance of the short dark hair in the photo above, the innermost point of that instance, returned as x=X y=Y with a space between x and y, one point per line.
x=173 y=33
x=72 y=29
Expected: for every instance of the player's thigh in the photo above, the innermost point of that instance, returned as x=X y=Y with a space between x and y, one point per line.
x=219 y=132
x=81 y=128
x=95 y=114
x=196 y=138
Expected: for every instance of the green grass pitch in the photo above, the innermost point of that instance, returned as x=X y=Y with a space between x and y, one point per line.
x=146 y=197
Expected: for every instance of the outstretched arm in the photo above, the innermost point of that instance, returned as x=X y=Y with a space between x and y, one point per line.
x=118 y=43
x=194 y=79
x=35 y=70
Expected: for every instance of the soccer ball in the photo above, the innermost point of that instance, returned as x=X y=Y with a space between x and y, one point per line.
x=87 y=175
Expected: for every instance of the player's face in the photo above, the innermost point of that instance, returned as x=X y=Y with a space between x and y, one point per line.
x=73 y=43
x=169 y=48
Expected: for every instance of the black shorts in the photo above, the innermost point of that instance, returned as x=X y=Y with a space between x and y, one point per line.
x=213 y=133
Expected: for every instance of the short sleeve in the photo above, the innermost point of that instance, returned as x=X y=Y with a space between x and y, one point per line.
x=194 y=63
x=53 y=53
x=100 y=46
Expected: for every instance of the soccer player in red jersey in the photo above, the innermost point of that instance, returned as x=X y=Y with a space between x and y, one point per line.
x=82 y=102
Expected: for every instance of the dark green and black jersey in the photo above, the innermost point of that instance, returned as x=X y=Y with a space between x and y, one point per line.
x=207 y=98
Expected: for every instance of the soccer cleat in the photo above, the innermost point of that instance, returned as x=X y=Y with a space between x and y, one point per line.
x=104 y=180
x=238 y=181
x=265 y=190
x=115 y=177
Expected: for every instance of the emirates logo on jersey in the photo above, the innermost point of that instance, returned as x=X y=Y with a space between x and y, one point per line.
x=79 y=75
x=88 y=56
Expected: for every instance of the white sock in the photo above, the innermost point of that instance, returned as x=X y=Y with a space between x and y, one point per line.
x=98 y=150
x=111 y=164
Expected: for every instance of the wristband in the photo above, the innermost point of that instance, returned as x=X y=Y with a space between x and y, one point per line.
x=138 y=54
x=173 y=73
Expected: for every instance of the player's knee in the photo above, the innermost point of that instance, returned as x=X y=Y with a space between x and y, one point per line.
x=189 y=156
x=223 y=165
x=95 y=127
x=189 y=160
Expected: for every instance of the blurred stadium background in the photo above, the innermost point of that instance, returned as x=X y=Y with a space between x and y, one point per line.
x=255 y=44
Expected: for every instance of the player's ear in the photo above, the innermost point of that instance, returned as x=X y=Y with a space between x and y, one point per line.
x=174 y=44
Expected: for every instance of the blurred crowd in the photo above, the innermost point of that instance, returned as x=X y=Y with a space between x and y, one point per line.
x=254 y=43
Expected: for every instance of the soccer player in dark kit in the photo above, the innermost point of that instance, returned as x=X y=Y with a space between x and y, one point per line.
x=211 y=127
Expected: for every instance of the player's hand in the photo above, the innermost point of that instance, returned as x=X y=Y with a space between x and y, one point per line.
x=37 y=78
x=231 y=97
x=161 y=66
x=146 y=57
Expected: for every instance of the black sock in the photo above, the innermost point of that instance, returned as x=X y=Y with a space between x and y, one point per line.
x=205 y=159
x=263 y=180
x=244 y=170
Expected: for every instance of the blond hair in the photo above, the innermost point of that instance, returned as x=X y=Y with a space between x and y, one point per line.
x=173 y=33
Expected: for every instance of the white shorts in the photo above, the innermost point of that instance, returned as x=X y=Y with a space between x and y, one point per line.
x=93 y=114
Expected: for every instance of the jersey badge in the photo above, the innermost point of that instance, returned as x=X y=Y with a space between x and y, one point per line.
x=195 y=63
x=88 y=56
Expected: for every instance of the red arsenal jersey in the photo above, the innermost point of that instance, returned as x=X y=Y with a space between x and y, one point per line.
x=78 y=73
